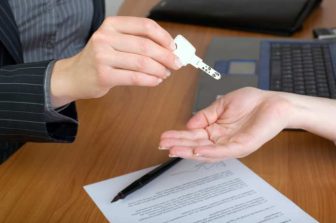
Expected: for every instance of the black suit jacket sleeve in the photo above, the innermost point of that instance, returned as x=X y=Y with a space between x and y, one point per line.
x=22 y=100
x=22 y=106
x=22 y=110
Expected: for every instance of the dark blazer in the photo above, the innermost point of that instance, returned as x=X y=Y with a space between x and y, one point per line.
x=22 y=100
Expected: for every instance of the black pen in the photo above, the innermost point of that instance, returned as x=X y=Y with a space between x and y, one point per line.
x=145 y=179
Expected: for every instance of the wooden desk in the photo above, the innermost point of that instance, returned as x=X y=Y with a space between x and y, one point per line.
x=120 y=132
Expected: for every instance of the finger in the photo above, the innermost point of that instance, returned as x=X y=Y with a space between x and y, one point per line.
x=119 y=77
x=187 y=153
x=191 y=134
x=144 y=46
x=207 y=116
x=181 y=151
x=202 y=159
x=231 y=150
x=134 y=62
x=142 y=27
x=218 y=132
x=172 y=142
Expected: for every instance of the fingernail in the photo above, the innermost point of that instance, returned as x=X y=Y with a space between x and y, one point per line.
x=172 y=46
x=178 y=63
x=172 y=155
x=162 y=148
x=159 y=81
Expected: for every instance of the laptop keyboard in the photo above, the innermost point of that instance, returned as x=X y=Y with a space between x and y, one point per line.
x=303 y=69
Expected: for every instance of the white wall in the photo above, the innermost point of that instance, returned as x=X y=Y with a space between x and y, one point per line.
x=112 y=6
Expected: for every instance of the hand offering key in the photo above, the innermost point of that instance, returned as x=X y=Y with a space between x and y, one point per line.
x=185 y=51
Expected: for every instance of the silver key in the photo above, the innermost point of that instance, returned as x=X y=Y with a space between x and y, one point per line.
x=185 y=51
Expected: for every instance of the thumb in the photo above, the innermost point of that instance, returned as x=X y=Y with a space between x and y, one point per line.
x=207 y=116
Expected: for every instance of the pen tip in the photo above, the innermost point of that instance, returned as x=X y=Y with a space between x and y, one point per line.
x=116 y=198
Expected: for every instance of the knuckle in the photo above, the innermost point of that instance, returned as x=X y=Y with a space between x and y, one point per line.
x=145 y=46
x=101 y=75
x=149 y=25
x=165 y=57
x=97 y=39
x=108 y=21
x=159 y=71
x=102 y=79
x=141 y=63
x=114 y=39
x=162 y=72
x=98 y=57
x=135 y=79
x=169 y=59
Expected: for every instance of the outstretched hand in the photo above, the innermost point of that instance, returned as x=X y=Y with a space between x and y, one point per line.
x=235 y=125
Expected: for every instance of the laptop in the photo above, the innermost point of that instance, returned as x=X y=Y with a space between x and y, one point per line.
x=300 y=66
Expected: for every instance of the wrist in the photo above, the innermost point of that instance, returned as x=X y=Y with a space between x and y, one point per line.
x=289 y=109
x=302 y=113
x=316 y=115
x=313 y=114
x=61 y=84
x=296 y=112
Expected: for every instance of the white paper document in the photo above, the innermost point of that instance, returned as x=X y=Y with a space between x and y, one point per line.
x=192 y=192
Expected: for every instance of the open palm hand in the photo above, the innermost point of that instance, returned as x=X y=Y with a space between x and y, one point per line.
x=235 y=125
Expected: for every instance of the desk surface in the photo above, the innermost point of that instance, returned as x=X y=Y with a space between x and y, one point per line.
x=119 y=133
